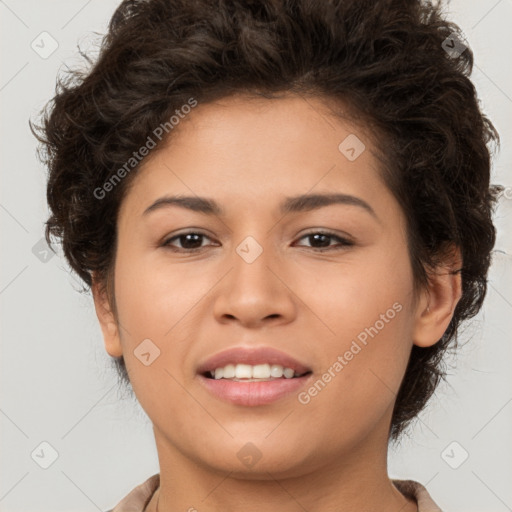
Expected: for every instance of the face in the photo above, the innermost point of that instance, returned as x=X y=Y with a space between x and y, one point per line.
x=327 y=284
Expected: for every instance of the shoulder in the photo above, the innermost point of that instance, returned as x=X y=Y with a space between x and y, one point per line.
x=418 y=492
x=137 y=499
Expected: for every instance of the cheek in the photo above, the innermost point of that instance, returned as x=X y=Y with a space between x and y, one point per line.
x=153 y=296
x=165 y=304
x=368 y=309
x=350 y=296
x=355 y=390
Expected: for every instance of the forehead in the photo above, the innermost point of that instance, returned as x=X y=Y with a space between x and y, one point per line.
x=290 y=127
x=252 y=149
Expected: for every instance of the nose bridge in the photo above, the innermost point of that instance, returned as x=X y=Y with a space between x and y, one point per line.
x=252 y=291
x=252 y=278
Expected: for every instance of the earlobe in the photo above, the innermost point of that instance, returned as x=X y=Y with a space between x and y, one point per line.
x=438 y=302
x=106 y=319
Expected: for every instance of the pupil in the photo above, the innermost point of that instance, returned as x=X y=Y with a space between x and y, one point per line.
x=325 y=238
x=187 y=243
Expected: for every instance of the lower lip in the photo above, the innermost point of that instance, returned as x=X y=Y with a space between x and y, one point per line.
x=253 y=393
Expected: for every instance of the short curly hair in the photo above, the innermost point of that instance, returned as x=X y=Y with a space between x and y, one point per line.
x=400 y=65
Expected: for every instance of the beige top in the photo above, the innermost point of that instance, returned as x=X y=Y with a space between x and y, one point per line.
x=138 y=498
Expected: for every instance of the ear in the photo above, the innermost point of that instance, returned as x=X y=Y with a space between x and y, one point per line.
x=106 y=318
x=438 y=301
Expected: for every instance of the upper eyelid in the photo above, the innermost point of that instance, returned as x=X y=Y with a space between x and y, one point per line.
x=190 y=232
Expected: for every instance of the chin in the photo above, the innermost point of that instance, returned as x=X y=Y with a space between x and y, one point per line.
x=259 y=460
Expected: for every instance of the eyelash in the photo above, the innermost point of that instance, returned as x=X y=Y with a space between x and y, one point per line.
x=343 y=242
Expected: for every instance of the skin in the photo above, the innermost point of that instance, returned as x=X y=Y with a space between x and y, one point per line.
x=248 y=155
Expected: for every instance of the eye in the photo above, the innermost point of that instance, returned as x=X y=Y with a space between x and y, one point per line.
x=190 y=241
x=321 y=241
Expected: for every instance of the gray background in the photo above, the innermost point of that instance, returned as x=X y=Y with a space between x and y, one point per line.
x=57 y=385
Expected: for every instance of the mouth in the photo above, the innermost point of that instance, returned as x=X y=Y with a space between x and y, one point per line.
x=252 y=377
x=253 y=373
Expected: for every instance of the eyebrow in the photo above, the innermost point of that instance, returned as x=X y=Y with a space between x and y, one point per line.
x=296 y=204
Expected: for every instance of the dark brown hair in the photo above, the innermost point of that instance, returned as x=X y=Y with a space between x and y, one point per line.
x=389 y=60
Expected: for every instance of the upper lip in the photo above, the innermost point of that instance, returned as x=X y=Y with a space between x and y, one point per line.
x=252 y=356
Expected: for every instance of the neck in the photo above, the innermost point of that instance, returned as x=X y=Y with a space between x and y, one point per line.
x=358 y=482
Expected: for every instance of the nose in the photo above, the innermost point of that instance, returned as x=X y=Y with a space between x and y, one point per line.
x=255 y=293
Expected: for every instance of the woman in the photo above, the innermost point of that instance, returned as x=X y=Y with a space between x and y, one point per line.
x=283 y=212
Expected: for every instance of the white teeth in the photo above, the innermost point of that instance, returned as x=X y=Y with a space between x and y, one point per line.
x=243 y=371
x=261 y=371
x=288 y=373
x=276 y=370
x=247 y=371
x=229 y=371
